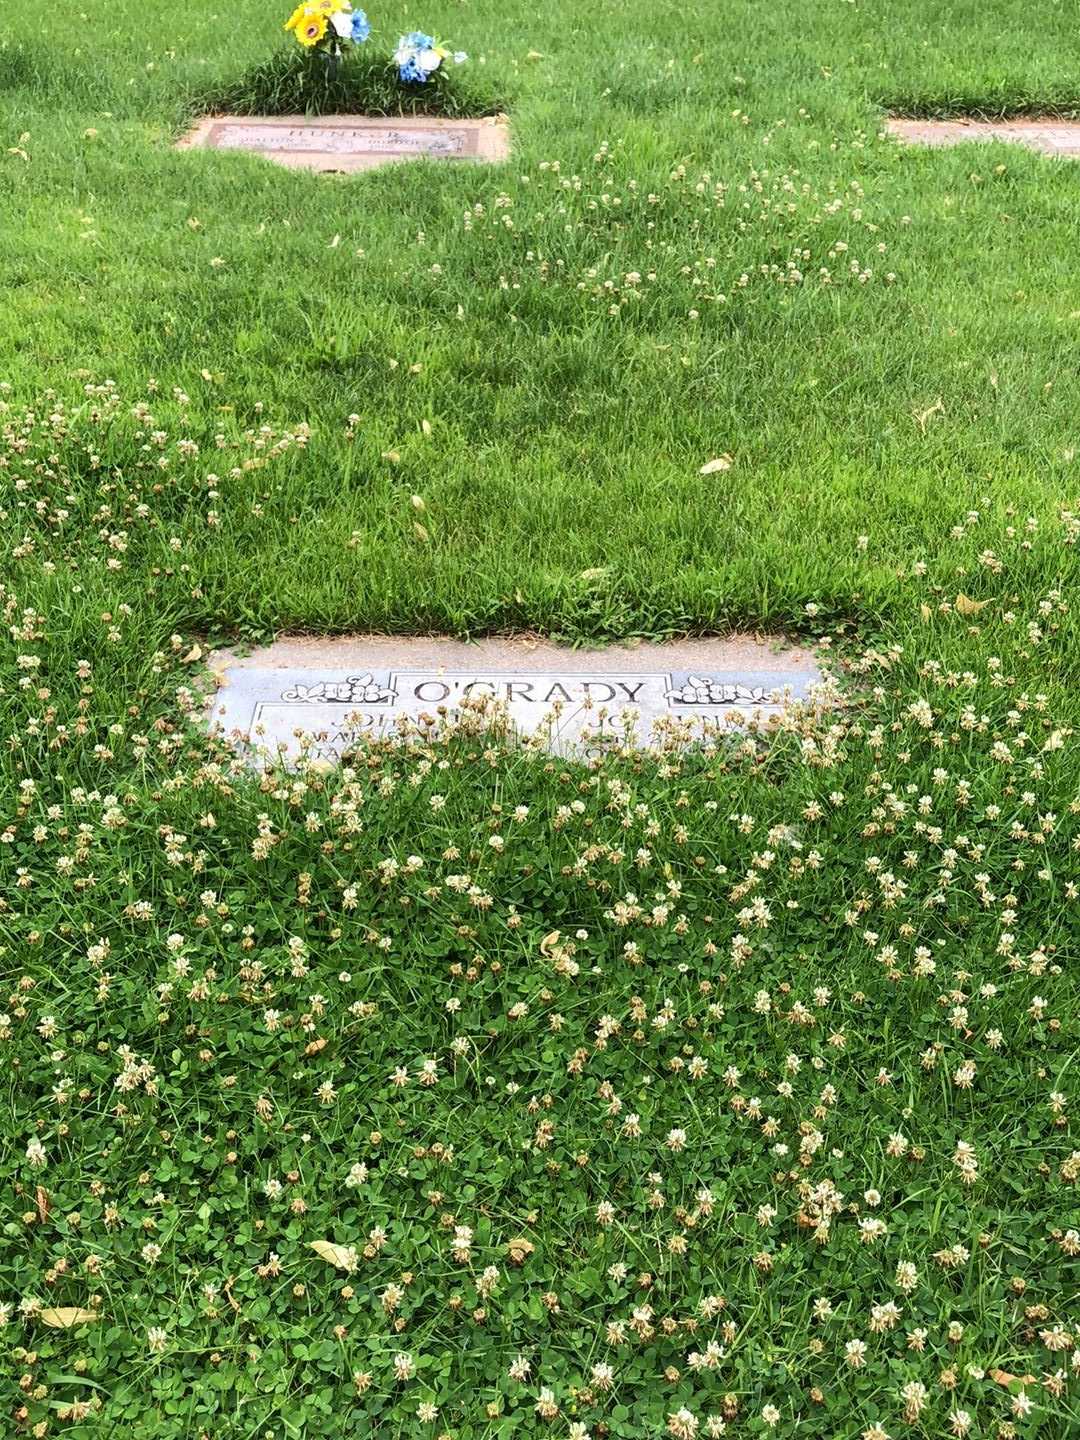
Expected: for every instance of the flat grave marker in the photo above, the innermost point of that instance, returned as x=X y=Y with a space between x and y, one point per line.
x=1049 y=136
x=328 y=697
x=350 y=143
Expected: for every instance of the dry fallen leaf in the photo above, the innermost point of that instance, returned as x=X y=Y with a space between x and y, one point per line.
x=596 y=573
x=926 y=613
x=519 y=1250
x=549 y=943
x=41 y=1198
x=421 y=533
x=343 y=1256
x=713 y=467
x=195 y=653
x=66 y=1317
x=966 y=606
x=922 y=416
x=1004 y=1378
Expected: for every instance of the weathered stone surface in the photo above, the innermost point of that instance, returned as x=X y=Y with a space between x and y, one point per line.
x=1052 y=137
x=351 y=142
x=328 y=696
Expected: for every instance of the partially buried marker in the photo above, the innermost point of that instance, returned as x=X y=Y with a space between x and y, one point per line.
x=573 y=702
x=1049 y=136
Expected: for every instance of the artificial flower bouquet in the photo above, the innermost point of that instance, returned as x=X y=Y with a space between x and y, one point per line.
x=329 y=27
x=327 y=24
x=418 y=56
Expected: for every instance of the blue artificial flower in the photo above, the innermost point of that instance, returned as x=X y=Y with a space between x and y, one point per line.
x=409 y=57
x=361 y=27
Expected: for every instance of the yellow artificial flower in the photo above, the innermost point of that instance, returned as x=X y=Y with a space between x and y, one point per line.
x=328 y=7
x=311 y=29
x=296 y=16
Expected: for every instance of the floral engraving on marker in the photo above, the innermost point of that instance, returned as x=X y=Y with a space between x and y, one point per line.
x=355 y=690
x=700 y=691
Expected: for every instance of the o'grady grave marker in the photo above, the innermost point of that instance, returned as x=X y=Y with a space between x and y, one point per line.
x=328 y=697
x=351 y=142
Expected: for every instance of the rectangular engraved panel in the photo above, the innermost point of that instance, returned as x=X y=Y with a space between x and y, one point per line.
x=351 y=142
x=329 y=711
x=344 y=141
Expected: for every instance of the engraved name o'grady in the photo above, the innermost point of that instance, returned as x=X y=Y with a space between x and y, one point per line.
x=534 y=692
x=366 y=690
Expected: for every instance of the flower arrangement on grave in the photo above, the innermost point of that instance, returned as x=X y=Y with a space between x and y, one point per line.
x=326 y=26
x=329 y=27
x=418 y=56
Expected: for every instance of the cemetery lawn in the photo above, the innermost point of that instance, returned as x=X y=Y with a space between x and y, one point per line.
x=682 y=1095
x=638 y=292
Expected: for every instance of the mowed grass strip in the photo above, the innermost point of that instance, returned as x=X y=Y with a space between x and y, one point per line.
x=639 y=290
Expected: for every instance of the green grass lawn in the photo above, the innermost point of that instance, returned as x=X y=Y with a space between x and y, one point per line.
x=672 y=1096
x=704 y=151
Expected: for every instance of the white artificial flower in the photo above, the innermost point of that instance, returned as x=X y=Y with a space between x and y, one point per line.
x=342 y=23
x=460 y=57
x=429 y=60
x=402 y=54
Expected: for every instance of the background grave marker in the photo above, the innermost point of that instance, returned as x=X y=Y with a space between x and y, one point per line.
x=1049 y=136
x=351 y=143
